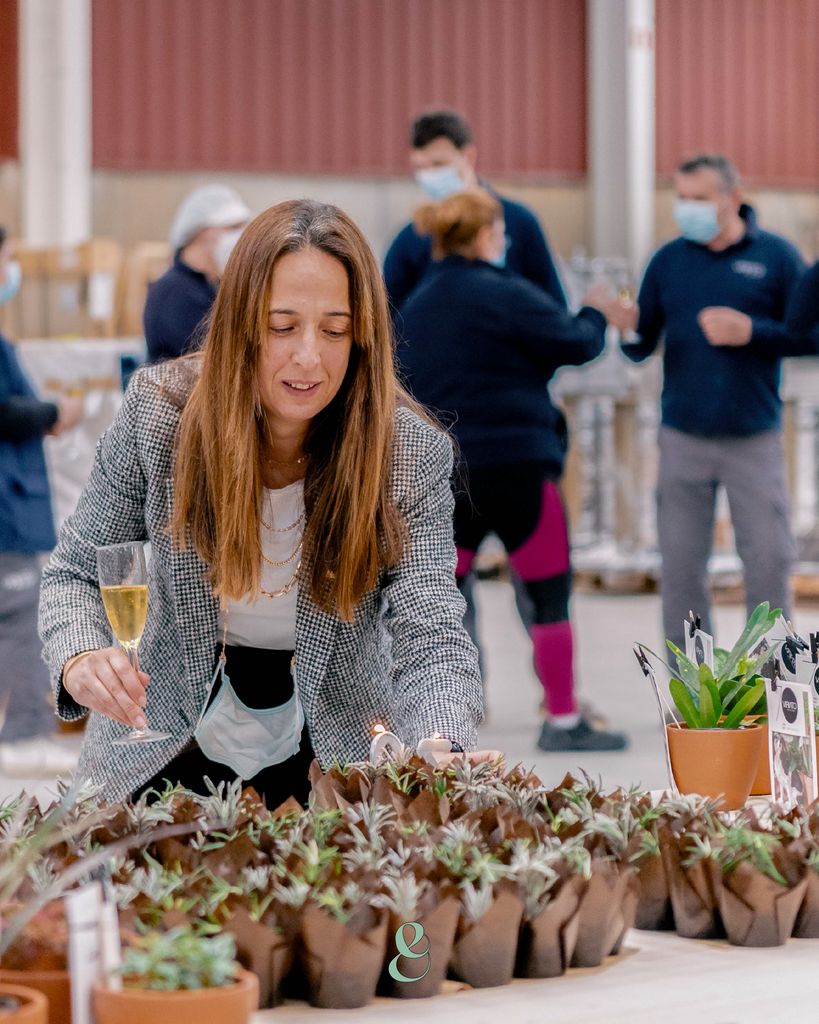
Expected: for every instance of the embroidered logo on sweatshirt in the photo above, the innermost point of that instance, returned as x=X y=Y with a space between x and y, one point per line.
x=748 y=268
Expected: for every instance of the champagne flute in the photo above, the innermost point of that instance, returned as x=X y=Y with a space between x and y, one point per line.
x=123 y=579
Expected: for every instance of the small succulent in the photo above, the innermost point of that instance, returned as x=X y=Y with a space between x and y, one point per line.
x=180 y=959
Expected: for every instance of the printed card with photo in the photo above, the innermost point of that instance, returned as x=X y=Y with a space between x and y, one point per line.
x=792 y=738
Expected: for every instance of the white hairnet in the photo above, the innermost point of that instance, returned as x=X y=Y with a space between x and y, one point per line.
x=212 y=206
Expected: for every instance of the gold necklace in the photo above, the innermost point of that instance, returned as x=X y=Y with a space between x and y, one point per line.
x=284 y=529
x=286 y=588
x=284 y=465
x=287 y=560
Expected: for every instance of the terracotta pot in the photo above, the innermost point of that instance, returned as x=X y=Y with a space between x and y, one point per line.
x=715 y=762
x=232 y=1004
x=55 y=986
x=762 y=779
x=34 y=1008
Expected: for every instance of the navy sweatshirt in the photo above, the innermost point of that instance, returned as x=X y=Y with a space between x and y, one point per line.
x=177 y=305
x=710 y=390
x=803 y=309
x=479 y=348
x=409 y=256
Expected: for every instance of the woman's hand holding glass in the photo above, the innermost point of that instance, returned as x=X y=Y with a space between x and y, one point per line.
x=105 y=681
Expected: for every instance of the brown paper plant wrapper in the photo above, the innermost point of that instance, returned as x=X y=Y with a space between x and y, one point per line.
x=756 y=910
x=484 y=953
x=807 y=920
x=696 y=913
x=342 y=968
x=546 y=943
x=439 y=927
x=654 y=911
x=264 y=951
x=606 y=913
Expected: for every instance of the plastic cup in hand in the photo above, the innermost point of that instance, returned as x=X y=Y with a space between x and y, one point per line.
x=123 y=579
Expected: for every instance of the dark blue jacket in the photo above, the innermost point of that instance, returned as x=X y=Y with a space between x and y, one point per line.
x=177 y=305
x=26 y=521
x=409 y=256
x=710 y=390
x=479 y=348
x=803 y=309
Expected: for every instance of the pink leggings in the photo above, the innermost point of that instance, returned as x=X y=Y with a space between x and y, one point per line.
x=542 y=561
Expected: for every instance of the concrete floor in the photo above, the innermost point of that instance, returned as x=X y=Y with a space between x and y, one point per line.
x=605 y=629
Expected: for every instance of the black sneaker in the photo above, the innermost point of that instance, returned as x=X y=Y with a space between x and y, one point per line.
x=582 y=737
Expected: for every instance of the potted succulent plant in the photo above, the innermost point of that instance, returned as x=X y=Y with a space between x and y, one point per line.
x=717 y=749
x=178 y=977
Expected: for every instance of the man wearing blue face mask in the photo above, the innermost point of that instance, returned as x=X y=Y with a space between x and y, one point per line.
x=26 y=528
x=717 y=298
x=443 y=158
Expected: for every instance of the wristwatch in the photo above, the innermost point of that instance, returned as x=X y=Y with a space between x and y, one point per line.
x=455 y=748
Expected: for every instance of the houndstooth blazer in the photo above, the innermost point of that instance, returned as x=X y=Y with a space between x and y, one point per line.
x=405 y=661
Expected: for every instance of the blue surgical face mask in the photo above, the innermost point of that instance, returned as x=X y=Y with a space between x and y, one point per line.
x=11 y=285
x=697 y=220
x=439 y=182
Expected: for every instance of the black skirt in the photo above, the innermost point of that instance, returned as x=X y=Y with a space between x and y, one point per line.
x=261 y=679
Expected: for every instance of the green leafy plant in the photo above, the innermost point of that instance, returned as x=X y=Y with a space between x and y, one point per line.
x=180 y=959
x=725 y=700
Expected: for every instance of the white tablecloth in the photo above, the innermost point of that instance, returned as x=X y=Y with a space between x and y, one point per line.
x=91 y=366
x=659 y=979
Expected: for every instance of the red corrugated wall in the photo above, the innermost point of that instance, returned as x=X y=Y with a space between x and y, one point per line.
x=330 y=86
x=740 y=77
x=9 y=146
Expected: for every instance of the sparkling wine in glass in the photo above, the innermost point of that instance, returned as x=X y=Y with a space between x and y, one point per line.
x=123 y=579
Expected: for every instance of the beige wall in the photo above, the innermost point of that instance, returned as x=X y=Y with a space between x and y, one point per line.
x=135 y=206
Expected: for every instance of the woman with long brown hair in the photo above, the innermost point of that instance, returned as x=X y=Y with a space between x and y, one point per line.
x=299 y=510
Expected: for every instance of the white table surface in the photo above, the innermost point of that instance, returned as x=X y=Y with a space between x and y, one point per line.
x=659 y=979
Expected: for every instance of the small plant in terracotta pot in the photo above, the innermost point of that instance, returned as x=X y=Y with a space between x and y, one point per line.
x=20 y=1005
x=178 y=977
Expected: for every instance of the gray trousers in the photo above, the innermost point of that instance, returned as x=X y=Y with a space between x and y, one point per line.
x=24 y=684
x=752 y=470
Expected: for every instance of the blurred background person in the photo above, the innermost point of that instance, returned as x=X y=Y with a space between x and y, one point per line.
x=803 y=309
x=26 y=530
x=717 y=296
x=204 y=231
x=479 y=347
x=444 y=158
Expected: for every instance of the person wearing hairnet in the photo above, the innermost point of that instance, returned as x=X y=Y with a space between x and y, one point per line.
x=204 y=231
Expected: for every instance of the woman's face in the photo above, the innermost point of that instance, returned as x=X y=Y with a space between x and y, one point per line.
x=310 y=334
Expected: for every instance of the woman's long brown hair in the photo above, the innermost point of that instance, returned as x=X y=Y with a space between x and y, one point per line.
x=353 y=528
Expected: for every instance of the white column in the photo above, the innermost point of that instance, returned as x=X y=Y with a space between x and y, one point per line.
x=621 y=128
x=55 y=121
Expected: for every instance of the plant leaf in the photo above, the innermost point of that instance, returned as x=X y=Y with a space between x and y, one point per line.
x=720 y=658
x=710 y=704
x=685 y=704
x=687 y=671
x=743 y=706
x=761 y=620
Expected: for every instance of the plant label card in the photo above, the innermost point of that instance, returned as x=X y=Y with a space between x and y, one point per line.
x=789 y=651
x=83 y=907
x=792 y=740
x=699 y=647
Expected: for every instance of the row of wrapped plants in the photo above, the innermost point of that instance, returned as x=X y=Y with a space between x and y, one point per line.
x=506 y=878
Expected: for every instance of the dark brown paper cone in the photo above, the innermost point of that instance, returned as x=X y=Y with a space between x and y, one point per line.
x=696 y=915
x=484 y=953
x=546 y=944
x=653 y=911
x=263 y=951
x=605 y=913
x=807 y=920
x=439 y=927
x=756 y=910
x=342 y=968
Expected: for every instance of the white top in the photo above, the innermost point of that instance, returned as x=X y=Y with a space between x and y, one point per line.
x=270 y=622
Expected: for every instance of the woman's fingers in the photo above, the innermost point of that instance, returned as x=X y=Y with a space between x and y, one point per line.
x=106 y=682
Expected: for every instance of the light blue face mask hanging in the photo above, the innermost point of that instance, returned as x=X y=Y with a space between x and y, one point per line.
x=247 y=739
x=11 y=285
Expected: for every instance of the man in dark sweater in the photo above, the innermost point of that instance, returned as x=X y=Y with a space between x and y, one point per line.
x=717 y=297
x=443 y=159
x=803 y=309
x=205 y=228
